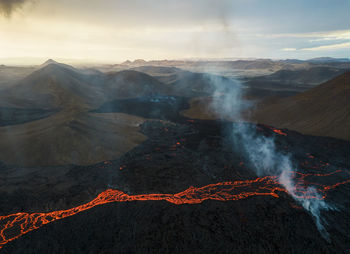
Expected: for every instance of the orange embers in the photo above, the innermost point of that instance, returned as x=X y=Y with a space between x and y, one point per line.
x=175 y=146
x=15 y=225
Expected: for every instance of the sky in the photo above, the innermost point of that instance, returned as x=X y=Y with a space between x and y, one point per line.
x=112 y=31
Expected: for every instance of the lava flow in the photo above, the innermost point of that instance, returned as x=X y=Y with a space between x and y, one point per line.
x=15 y=225
x=277 y=131
x=280 y=132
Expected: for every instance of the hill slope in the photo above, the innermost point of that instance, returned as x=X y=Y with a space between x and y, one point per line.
x=70 y=138
x=323 y=110
x=312 y=76
x=54 y=125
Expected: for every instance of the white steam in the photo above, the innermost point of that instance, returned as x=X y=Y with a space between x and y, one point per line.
x=261 y=151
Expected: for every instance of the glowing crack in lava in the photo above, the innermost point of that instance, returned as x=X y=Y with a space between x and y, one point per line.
x=15 y=225
x=275 y=130
x=279 y=132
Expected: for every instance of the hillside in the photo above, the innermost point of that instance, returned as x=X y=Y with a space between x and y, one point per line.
x=46 y=119
x=69 y=138
x=311 y=76
x=322 y=111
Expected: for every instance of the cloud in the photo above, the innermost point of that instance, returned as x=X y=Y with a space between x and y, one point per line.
x=331 y=35
x=314 y=36
x=344 y=45
x=7 y=7
x=331 y=40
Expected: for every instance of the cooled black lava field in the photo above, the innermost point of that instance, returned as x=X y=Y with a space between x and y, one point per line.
x=236 y=211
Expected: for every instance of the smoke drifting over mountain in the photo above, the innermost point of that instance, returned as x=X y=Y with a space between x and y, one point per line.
x=7 y=7
x=261 y=152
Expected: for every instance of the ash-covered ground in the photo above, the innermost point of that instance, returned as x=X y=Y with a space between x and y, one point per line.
x=175 y=156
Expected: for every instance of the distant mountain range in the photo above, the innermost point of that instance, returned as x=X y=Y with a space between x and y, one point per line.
x=328 y=59
x=237 y=68
x=317 y=59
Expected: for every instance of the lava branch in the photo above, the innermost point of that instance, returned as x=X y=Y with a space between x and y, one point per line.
x=15 y=225
x=279 y=132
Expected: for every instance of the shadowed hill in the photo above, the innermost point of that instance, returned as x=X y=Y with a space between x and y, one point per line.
x=130 y=84
x=52 y=86
x=70 y=138
x=311 y=76
x=322 y=111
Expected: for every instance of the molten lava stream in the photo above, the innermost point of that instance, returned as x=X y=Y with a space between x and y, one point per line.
x=15 y=225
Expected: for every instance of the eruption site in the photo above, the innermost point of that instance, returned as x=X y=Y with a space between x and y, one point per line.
x=234 y=129
x=261 y=151
x=15 y=225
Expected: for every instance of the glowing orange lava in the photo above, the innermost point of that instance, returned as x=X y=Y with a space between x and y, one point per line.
x=15 y=225
x=279 y=132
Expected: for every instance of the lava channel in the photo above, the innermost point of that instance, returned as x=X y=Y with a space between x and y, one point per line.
x=15 y=225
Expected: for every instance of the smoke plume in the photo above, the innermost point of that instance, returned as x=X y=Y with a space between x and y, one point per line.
x=7 y=7
x=260 y=151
